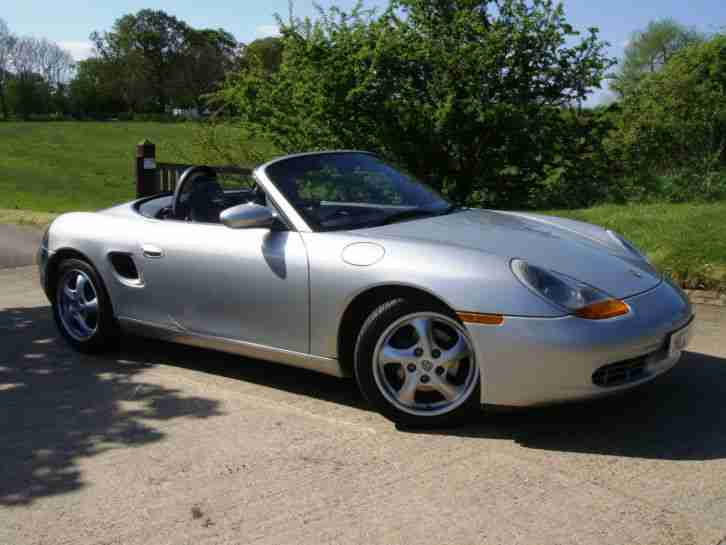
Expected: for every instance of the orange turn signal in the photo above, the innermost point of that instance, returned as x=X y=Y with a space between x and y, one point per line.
x=602 y=310
x=484 y=319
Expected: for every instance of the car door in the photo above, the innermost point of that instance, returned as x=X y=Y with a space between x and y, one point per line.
x=241 y=284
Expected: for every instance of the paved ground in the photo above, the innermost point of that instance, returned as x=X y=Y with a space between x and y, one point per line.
x=160 y=444
x=18 y=245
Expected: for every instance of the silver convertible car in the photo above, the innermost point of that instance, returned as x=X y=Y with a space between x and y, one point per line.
x=339 y=263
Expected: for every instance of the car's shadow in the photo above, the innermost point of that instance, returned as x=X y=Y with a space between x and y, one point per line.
x=678 y=416
x=264 y=373
x=58 y=407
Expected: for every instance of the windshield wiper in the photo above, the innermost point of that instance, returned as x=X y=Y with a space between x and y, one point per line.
x=415 y=213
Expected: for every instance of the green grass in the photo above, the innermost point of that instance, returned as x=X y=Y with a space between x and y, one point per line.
x=62 y=166
x=26 y=217
x=57 y=167
x=687 y=241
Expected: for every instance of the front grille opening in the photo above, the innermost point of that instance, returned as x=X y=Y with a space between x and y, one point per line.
x=622 y=372
x=124 y=265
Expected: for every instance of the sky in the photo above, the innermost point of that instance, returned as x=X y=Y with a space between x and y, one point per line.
x=70 y=22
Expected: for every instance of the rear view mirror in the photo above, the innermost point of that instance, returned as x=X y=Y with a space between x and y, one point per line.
x=245 y=216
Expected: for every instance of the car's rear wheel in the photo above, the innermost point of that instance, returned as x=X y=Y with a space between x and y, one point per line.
x=415 y=362
x=82 y=308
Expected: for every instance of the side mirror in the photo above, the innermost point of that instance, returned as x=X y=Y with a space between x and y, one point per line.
x=245 y=216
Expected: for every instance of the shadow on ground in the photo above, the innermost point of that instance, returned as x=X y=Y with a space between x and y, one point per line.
x=281 y=377
x=58 y=407
x=678 y=416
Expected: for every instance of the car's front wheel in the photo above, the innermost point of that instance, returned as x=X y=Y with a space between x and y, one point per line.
x=415 y=362
x=82 y=308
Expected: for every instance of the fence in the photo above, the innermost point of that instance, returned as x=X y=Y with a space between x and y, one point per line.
x=153 y=177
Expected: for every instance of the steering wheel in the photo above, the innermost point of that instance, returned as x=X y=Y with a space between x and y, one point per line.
x=184 y=184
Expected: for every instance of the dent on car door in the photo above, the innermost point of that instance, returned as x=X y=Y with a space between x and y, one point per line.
x=242 y=284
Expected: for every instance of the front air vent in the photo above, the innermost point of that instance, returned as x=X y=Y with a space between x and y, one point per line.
x=620 y=373
x=124 y=265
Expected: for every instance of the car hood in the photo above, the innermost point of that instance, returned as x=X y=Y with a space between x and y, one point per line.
x=579 y=250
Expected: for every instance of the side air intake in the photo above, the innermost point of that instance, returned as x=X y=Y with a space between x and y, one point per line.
x=124 y=265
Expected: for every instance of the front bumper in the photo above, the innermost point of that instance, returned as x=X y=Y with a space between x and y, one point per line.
x=533 y=361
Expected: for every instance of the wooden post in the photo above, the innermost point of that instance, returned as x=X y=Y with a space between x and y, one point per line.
x=147 y=179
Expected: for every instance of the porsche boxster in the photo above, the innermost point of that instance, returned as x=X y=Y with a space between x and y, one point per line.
x=339 y=263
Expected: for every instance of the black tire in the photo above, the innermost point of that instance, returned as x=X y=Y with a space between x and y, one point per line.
x=373 y=328
x=106 y=334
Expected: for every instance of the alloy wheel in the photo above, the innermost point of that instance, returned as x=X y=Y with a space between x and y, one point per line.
x=425 y=365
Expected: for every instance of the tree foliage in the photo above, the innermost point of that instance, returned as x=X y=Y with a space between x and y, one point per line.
x=33 y=73
x=7 y=43
x=267 y=51
x=207 y=57
x=144 y=49
x=157 y=61
x=93 y=92
x=29 y=94
x=674 y=123
x=466 y=94
x=650 y=50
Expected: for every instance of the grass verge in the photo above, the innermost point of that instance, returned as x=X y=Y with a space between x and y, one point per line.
x=27 y=217
x=62 y=166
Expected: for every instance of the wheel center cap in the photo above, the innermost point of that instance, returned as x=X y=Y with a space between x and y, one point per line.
x=427 y=365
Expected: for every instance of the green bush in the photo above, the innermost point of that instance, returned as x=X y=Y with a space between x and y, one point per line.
x=690 y=185
x=673 y=126
x=579 y=173
x=474 y=97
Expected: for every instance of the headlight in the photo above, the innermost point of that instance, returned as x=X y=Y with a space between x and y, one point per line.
x=627 y=245
x=572 y=295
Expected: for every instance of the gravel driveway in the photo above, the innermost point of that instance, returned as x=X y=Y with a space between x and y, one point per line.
x=162 y=444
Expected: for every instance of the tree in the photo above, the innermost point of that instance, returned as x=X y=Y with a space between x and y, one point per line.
x=650 y=50
x=24 y=92
x=158 y=61
x=466 y=94
x=33 y=74
x=267 y=50
x=92 y=92
x=39 y=68
x=53 y=63
x=145 y=48
x=29 y=94
x=7 y=44
x=674 y=123
x=207 y=57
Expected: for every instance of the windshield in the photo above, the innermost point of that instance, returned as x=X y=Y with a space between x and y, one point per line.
x=335 y=191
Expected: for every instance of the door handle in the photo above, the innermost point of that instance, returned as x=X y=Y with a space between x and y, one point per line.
x=152 y=251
